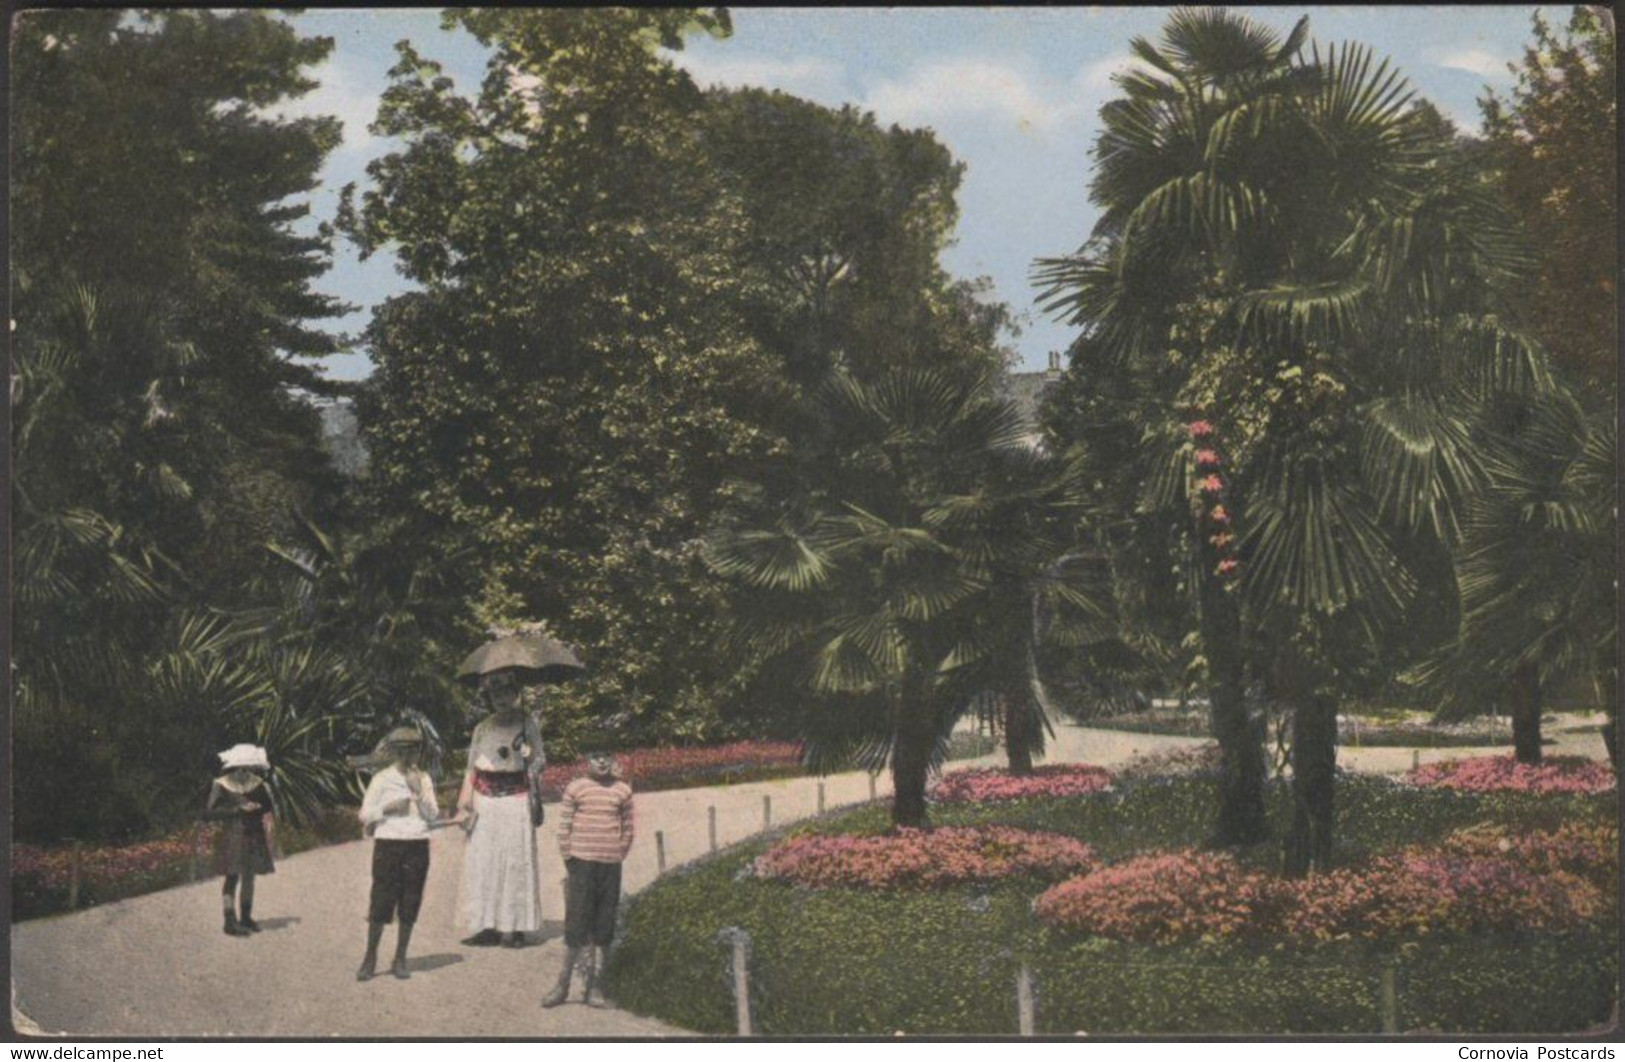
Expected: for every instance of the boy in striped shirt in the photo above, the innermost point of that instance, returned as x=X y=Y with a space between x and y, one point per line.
x=595 y=833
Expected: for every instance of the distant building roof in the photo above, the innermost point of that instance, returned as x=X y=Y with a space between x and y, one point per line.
x=1025 y=389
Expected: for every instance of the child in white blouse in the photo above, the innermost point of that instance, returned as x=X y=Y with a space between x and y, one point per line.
x=398 y=812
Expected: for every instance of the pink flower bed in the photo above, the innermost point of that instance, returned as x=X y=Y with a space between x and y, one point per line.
x=105 y=864
x=1159 y=898
x=918 y=859
x=1483 y=774
x=1472 y=882
x=656 y=766
x=980 y=784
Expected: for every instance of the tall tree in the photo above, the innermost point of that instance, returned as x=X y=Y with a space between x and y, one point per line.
x=1296 y=253
x=1554 y=139
x=573 y=387
x=163 y=306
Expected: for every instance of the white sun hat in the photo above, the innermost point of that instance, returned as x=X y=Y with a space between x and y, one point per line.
x=244 y=756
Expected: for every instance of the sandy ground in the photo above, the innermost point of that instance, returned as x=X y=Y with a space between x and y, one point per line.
x=158 y=965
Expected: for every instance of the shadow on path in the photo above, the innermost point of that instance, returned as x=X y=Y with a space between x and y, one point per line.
x=425 y=963
x=279 y=923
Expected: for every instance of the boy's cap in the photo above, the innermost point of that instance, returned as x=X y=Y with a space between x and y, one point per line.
x=403 y=735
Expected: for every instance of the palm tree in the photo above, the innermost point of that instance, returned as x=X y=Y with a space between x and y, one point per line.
x=1293 y=258
x=1537 y=571
x=910 y=588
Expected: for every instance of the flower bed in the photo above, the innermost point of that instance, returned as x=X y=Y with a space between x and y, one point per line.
x=41 y=876
x=1483 y=774
x=982 y=784
x=52 y=868
x=1160 y=898
x=1471 y=882
x=916 y=859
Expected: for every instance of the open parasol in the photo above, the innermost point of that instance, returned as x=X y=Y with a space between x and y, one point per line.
x=531 y=650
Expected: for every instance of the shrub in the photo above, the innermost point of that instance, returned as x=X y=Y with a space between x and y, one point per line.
x=1160 y=898
x=917 y=859
x=1482 y=774
x=983 y=784
x=1172 y=763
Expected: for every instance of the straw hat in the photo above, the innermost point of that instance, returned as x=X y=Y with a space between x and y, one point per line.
x=244 y=755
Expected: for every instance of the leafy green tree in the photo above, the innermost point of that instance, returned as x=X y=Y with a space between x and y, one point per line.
x=843 y=225
x=911 y=589
x=573 y=388
x=1305 y=270
x=1554 y=139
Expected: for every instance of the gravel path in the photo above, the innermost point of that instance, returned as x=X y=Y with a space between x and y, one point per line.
x=158 y=965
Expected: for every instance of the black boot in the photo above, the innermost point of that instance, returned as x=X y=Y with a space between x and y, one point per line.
x=403 y=937
x=561 y=991
x=232 y=928
x=247 y=920
x=369 y=962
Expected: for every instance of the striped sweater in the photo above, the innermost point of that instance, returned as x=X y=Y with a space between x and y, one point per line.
x=596 y=823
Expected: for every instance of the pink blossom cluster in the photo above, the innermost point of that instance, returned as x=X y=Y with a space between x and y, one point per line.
x=1589 y=850
x=983 y=784
x=1471 y=882
x=652 y=766
x=921 y=859
x=1211 y=486
x=52 y=868
x=1159 y=898
x=1482 y=774
x=1419 y=892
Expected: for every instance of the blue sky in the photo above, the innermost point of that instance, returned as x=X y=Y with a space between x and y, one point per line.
x=1013 y=92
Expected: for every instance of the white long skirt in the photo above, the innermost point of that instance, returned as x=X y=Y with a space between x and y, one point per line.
x=500 y=880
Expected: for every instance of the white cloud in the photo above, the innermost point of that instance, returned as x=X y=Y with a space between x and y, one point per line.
x=938 y=91
x=340 y=97
x=1473 y=60
x=805 y=76
x=1097 y=76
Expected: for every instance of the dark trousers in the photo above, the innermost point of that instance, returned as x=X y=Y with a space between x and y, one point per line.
x=399 y=869
x=591 y=896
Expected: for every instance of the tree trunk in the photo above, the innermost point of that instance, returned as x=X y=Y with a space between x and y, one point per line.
x=1314 y=773
x=1524 y=703
x=1241 y=818
x=1018 y=743
x=911 y=757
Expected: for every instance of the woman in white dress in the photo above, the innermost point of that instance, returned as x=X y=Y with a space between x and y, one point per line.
x=501 y=899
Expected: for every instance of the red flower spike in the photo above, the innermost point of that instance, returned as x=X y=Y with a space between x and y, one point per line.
x=1199 y=429
x=1212 y=484
x=1208 y=458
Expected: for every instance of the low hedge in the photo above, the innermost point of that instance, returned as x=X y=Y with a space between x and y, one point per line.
x=850 y=961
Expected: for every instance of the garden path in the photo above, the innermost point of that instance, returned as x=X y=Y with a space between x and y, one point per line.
x=158 y=965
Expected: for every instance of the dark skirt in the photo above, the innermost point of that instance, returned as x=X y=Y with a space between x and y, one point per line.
x=240 y=848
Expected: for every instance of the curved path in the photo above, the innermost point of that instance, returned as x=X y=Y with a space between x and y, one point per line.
x=158 y=965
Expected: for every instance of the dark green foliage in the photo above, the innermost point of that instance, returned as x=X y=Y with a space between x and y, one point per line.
x=915 y=583
x=851 y=962
x=163 y=300
x=555 y=418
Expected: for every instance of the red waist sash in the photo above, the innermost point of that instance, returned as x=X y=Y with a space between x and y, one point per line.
x=500 y=783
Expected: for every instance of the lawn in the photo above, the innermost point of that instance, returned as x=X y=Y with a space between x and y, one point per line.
x=944 y=958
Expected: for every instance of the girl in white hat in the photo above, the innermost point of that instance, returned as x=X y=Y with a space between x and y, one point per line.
x=240 y=801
